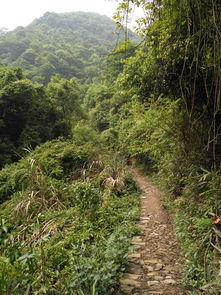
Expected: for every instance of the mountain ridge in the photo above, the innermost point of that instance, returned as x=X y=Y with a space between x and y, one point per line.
x=69 y=44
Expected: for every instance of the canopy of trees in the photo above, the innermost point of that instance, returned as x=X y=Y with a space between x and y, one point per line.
x=69 y=44
x=31 y=113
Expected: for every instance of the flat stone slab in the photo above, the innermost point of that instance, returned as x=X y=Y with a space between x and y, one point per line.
x=170 y=282
x=152 y=274
x=130 y=282
x=153 y=283
x=144 y=218
x=137 y=239
x=158 y=278
x=138 y=243
x=149 y=268
x=134 y=255
x=152 y=261
x=131 y=276
x=144 y=221
x=159 y=266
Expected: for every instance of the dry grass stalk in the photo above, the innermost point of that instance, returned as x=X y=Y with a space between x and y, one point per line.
x=117 y=184
x=47 y=228
x=35 y=202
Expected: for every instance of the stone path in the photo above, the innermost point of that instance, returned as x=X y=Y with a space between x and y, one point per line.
x=155 y=265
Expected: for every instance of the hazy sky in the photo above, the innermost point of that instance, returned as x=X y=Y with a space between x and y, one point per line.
x=15 y=13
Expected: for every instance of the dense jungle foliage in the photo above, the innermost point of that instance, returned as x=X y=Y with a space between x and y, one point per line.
x=163 y=108
x=68 y=219
x=69 y=206
x=70 y=44
x=31 y=114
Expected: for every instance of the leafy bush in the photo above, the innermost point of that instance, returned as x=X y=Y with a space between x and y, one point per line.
x=197 y=215
x=57 y=159
x=69 y=235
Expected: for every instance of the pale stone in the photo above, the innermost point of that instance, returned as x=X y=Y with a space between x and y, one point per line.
x=144 y=218
x=154 y=234
x=158 y=278
x=130 y=282
x=151 y=274
x=137 y=239
x=144 y=221
x=149 y=268
x=138 y=243
x=152 y=261
x=152 y=283
x=165 y=272
x=170 y=282
x=131 y=276
x=134 y=255
x=159 y=266
x=142 y=251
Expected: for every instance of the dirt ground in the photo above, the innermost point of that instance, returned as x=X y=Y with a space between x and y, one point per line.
x=156 y=264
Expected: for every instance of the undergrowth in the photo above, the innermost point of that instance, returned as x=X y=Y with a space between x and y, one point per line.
x=67 y=217
x=196 y=211
x=155 y=137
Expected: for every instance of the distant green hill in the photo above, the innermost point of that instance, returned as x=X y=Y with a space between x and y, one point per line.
x=71 y=44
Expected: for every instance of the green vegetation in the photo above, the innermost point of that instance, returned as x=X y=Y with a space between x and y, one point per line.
x=68 y=210
x=66 y=226
x=31 y=113
x=164 y=110
x=69 y=206
x=69 y=44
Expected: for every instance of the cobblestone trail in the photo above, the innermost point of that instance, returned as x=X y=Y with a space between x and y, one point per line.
x=156 y=264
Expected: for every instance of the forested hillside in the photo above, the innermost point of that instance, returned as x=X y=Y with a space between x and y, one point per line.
x=69 y=44
x=64 y=51
x=31 y=114
x=69 y=206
